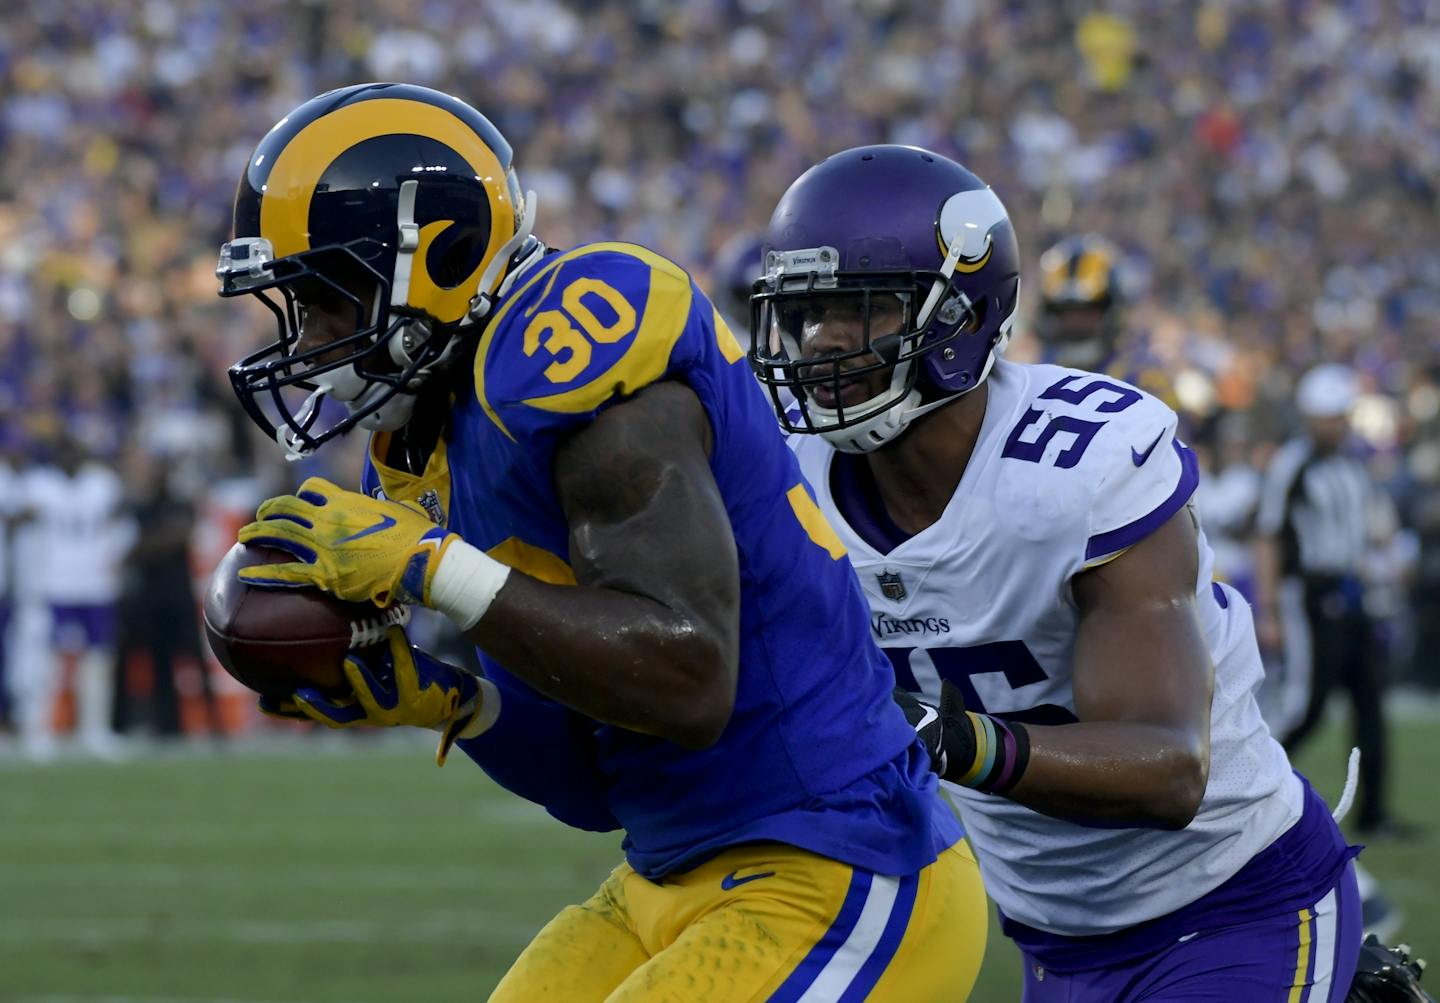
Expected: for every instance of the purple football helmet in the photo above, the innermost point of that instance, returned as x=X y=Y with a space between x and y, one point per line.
x=903 y=237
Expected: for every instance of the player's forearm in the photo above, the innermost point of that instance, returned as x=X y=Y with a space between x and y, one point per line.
x=623 y=659
x=1114 y=774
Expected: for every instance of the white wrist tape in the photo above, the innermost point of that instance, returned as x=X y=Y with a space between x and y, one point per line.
x=465 y=583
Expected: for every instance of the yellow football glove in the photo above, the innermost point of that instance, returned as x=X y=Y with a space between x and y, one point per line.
x=351 y=545
x=402 y=686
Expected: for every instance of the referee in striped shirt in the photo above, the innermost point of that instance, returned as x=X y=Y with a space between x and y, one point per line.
x=1316 y=525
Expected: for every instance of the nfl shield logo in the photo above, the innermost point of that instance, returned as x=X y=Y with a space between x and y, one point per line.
x=430 y=502
x=891 y=587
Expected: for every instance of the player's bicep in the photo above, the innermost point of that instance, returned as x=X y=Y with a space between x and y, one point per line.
x=1140 y=654
x=644 y=512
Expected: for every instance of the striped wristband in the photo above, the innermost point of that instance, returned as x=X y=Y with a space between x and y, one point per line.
x=1002 y=751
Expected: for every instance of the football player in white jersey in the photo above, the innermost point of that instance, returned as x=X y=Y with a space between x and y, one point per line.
x=1025 y=538
x=72 y=540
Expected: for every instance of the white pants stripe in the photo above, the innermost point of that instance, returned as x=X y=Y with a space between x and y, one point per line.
x=842 y=968
x=1326 y=914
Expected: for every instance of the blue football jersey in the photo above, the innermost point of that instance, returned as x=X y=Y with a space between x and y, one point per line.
x=1136 y=363
x=816 y=754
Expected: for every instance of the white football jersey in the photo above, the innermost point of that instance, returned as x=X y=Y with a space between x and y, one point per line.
x=77 y=537
x=1070 y=469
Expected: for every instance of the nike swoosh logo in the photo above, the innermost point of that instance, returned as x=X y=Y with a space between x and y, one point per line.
x=1140 y=457
x=385 y=523
x=731 y=881
x=931 y=714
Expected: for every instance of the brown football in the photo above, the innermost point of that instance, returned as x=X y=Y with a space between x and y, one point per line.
x=275 y=640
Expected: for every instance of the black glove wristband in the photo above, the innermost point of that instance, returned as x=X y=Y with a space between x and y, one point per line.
x=981 y=751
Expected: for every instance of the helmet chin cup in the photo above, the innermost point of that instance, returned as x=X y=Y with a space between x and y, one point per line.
x=871 y=433
x=882 y=422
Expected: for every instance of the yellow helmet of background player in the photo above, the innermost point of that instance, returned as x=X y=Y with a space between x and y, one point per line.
x=395 y=201
x=1080 y=301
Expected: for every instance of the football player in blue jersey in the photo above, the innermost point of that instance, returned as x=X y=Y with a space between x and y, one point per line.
x=569 y=458
x=1082 y=316
x=1024 y=536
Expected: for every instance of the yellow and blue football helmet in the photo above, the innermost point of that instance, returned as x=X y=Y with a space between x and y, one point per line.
x=1080 y=302
x=395 y=201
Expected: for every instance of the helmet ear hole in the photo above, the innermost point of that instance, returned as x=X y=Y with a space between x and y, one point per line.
x=976 y=320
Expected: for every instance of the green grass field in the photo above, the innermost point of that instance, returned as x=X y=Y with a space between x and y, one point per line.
x=359 y=872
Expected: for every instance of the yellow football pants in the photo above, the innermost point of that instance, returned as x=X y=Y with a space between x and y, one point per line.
x=763 y=922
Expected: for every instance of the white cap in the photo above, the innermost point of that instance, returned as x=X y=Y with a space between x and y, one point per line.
x=1326 y=391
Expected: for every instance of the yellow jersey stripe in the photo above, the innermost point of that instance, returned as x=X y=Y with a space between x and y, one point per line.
x=730 y=348
x=816 y=526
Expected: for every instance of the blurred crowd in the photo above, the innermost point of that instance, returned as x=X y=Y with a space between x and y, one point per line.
x=1268 y=170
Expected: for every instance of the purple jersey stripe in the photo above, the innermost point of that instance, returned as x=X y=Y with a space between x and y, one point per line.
x=1127 y=536
x=889 y=943
x=814 y=963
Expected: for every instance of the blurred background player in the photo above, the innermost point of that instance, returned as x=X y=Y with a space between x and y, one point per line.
x=73 y=539
x=1082 y=318
x=1321 y=518
x=1026 y=540
x=30 y=656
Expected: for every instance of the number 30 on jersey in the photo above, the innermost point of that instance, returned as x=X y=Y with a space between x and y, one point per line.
x=555 y=331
